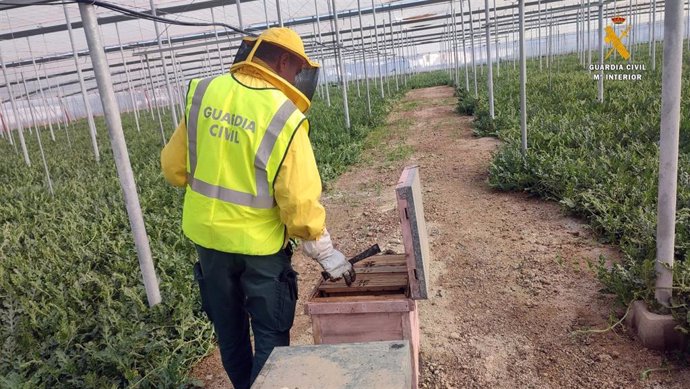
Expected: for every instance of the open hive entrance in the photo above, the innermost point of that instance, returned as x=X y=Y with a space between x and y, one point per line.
x=383 y=275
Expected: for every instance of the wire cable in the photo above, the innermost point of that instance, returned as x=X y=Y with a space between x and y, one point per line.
x=146 y=16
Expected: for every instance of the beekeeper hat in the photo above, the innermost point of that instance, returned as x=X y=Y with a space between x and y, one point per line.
x=306 y=80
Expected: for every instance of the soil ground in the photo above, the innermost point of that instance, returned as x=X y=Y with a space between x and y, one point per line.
x=509 y=280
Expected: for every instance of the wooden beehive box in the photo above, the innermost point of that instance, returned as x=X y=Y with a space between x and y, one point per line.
x=381 y=305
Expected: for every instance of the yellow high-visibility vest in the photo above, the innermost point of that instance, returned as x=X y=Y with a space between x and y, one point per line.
x=237 y=137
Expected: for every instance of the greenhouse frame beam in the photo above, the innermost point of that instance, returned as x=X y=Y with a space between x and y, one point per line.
x=172 y=10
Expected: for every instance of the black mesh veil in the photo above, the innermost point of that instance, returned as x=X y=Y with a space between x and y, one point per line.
x=306 y=81
x=243 y=51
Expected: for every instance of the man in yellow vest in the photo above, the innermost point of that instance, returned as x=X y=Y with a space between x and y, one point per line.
x=244 y=156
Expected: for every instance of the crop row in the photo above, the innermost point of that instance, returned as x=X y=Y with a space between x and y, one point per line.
x=600 y=161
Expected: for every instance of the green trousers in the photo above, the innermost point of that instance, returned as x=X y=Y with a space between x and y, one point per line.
x=239 y=291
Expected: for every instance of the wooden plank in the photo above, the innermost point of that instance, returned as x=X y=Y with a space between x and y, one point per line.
x=373 y=293
x=332 y=306
x=415 y=343
x=363 y=284
x=379 y=365
x=415 y=238
x=410 y=325
x=347 y=299
x=382 y=269
x=383 y=260
x=361 y=327
x=316 y=329
x=364 y=289
x=368 y=280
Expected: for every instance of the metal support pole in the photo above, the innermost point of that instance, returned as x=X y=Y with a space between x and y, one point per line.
x=390 y=25
x=66 y=106
x=654 y=33
x=354 y=63
x=63 y=113
x=448 y=49
x=385 y=57
x=577 y=35
x=549 y=31
x=40 y=144
x=589 y=34
x=464 y=50
x=539 y=31
x=474 y=62
x=40 y=88
x=164 y=65
x=364 y=56
x=601 y=51
x=215 y=32
x=239 y=14
x=84 y=93
x=498 y=53
x=17 y=119
x=456 y=60
x=129 y=82
x=378 y=53
x=176 y=85
x=489 y=62
x=523 y=79
x=319 y=82
x=512 y=18
x=630 y=40
x=403 y=57
x=208 y=60
x=336 y=59
x=266 y=14
x=49 y=108
x=45 y=75
x=635 y=29
x=280 y=17
x=155 y=100
x=60 y=118
x=4 y=117
x=343 y=78
x=650 y=35
x=668 y=154
x=147 y=83
x=323 y=58
x=117 y=140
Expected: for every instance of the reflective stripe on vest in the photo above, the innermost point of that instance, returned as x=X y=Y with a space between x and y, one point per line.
x=263 y=198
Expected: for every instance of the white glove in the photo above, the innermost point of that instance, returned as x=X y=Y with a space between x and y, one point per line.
x=333 y=262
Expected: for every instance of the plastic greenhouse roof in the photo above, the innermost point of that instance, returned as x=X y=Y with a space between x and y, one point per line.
x=41 y=30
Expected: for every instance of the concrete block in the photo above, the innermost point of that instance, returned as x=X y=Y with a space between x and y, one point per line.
x=379 y=365
x=655 y=331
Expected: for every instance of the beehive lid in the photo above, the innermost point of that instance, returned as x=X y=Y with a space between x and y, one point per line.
x=415 y=238
x=379 y=365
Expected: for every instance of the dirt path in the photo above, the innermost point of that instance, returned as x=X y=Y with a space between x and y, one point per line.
x=509 y=275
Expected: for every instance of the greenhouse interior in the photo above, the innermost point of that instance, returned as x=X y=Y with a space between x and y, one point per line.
x=551 y=139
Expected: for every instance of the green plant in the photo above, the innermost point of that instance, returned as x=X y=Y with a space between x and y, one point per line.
x=600 y=161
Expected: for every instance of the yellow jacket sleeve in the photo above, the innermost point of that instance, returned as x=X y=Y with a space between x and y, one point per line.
x=298 y=189
x=174 y=157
